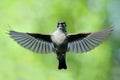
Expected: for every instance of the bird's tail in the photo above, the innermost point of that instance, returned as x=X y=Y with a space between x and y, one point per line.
x=61 y=61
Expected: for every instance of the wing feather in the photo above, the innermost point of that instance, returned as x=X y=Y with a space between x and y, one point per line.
x=38 y=43
x=80 y=43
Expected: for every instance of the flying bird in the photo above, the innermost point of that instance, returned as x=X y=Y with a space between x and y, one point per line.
x=60 y=42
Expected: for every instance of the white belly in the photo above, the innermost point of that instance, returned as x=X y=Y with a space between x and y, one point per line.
x=58 y=37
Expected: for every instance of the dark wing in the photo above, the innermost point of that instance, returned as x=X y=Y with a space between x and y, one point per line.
x=39 y=43
x=83 y=42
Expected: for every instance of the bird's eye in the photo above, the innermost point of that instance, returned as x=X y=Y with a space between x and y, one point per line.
x=58 y=23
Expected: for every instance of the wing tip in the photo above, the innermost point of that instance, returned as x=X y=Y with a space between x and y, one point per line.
x=10 y=32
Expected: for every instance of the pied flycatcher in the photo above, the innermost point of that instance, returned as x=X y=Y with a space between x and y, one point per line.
x=60 y=42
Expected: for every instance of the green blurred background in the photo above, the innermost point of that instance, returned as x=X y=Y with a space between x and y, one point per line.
x=17 y=63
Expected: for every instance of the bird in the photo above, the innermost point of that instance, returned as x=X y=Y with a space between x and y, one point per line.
x=60 y=42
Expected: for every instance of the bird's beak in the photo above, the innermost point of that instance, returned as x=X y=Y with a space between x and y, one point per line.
x=60 y=27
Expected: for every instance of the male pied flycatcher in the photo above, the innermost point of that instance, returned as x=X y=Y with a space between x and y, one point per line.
x=60 y=42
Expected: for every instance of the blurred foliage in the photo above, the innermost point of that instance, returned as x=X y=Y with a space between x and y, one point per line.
x=42 y=16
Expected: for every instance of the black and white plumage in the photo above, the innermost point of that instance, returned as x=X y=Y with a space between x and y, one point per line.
x=60 y=42
x=38 y=43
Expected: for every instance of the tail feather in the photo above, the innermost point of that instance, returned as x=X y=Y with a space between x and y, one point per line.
x=62 y=62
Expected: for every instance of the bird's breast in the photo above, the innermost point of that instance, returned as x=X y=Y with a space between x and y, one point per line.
x=58 y=37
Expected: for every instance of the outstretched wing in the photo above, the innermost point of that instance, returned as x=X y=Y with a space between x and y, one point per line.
x=39 y=43
x=83 y=42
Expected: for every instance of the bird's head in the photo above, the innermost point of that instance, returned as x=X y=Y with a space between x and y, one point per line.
x=61 y=25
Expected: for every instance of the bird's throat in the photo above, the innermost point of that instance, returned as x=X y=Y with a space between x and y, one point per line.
x=58 y=37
